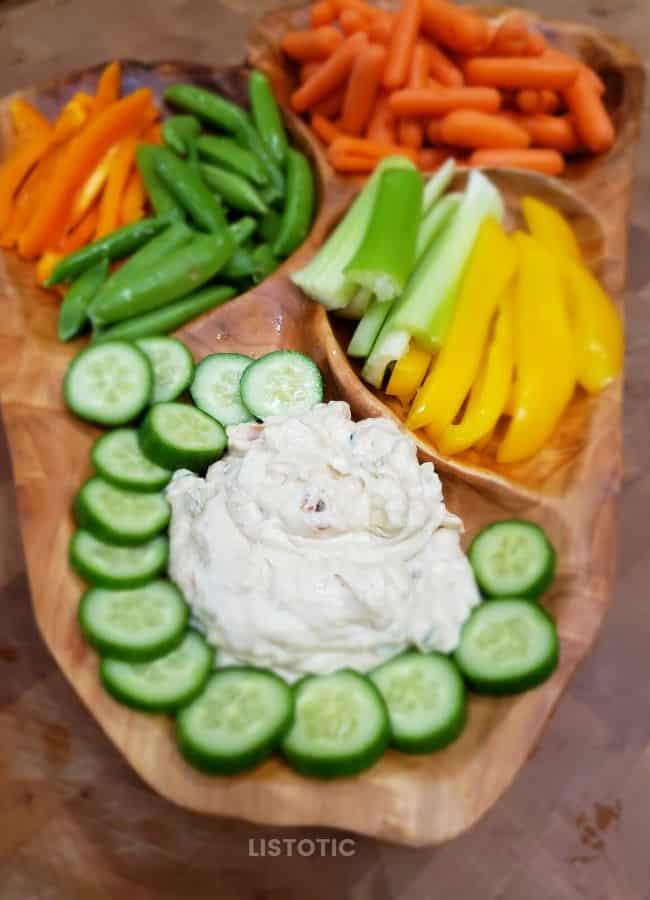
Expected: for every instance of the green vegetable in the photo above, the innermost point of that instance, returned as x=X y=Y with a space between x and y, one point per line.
x=111 y=566
x=358 y=306
x=365 y=334
x=298 y=205
x=512 y=558
x=384 y=260
x=267 y=118
x=119 y=515
x=161 y=200
x=189 y=189
x=435 y=220
x=270 y=225
x=170 y=317
x=324 y=277
x=180 y=132
x=438 y=184
x=116 y=245
x=240 y=265
x=242 y=229
x=233 y=189
x=265 y=262
x=180 y=436
x=174 y=277
x=228 y=153
x=74 y=309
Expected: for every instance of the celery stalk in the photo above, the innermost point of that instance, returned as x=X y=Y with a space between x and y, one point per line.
x=358 y=306
x=435 y=220
x=385 y=258
x=438 y=184
x=324 y=278
x=426 y=307
x=365 y=334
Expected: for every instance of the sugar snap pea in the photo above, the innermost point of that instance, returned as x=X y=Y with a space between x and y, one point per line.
x=267 y=117
x=242 y=229
x=162 y=201
x=189 y=189
x=270 y=225
x=233 y=189
x=227 y=152
x=265 y=262
x=80 y=294
x=299 y=204
x=179 y=132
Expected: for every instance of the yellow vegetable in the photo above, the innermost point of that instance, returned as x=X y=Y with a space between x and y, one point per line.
x=550 y=227
x=92 y=186
x=544 y=352
x=46 y=265
x=491 y=266
x=408 y=374
x=489 y=394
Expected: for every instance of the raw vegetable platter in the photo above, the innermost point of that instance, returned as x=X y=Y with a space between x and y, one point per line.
x=569 y=490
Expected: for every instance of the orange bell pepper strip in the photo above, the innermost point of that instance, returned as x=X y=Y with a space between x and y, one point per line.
x=29 y=196
x=82 y=155
x=92 y=187
x=15 y=170
x=28 y=121
x=133 y=199
x=111 y=202
x=46 y=265
x=81 y=234
x=108 y=88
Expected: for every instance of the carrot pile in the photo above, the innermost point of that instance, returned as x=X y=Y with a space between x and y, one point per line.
x=71 y=181
x=434 y=80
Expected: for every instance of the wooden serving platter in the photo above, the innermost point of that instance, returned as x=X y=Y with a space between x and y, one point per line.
x=412 y=800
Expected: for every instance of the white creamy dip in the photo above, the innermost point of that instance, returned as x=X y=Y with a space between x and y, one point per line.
x=318 y=543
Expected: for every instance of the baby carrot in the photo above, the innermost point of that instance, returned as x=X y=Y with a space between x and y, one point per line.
x=593 y=123
x=597 y=82
x=402 y=43
x=315 y=44
x=549 y=162
x=429 y=159
x=380 y=30
x=331 y=74
x=439 y=101
x=551 y=132
x=351 y=164
x=537 y=72
x=550 y=102
x=455 y=27
x=442 y=68
x=410 y=133
x=528 y=101
x=326 y=130
x=536 y=44
x=511 y=37
x=381 y=126
x=353 y=20
x=331 y=106
x=362 y=88
x=322 y=13
x=468 y=128
x=434 y=131
x=307 y=70
x=365 y=147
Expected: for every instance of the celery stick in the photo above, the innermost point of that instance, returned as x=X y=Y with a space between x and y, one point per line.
x=324 y=278
x=358 y=306
x=438 y=184
x=426 y=307
x=365 y=334
x=435 y=220
x=384 y=260
x=389 y=346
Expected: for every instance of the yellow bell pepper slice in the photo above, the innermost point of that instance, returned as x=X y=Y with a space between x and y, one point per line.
x=550 y=228
x=544 y=352
x=489 y=394
x=491 y=266
x=408 y=374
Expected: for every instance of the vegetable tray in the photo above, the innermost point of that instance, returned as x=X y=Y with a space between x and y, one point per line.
x=570 y=488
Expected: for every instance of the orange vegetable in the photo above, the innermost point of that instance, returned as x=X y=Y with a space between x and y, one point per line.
x=551 y=132
x=550 y=102
x=92 y=187
x=81 y=234
x=402 y=43
x=26 y=199
x=592 y=121
x=353 y=20
x=350 y=164
x=108 y=88
x=322 y=13
x=537 y=72
x=381 y=126
x=373 y=149
x=511 y=37
x=362 y=88
x=331 y=106
x=111 y=202
x=46 y=265
x=153 y=135
x=536 y=44
x=80 y=158
x=410 y=133
x=380 y=30
x=133 y=199
x=529 y=101
x=28 y=121
x=428 y=159
x=455 y=27
x=307 y=70
x=315 y=44
x=469 y=128
x=550 y=162
x=15 y=170
x=440 y=101
x=595 y=79
x=331 y=74
x=434 y=131
x=326 y=130
x=443 y=69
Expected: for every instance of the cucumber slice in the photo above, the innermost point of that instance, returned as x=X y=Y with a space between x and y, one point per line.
x=108 y=565
x=109 y=383
x=172 y=364
x=425 y=696
x=178 y=436
x=136 y=625
x=282 y=383
x=236 y=722
x=215 y=388
x=164 y=684
x=340 y=725
x=120 y=516
x=513 y=558
x=118 y=458
x=507 y=646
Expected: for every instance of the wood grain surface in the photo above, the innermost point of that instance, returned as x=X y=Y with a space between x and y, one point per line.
x=75 y=823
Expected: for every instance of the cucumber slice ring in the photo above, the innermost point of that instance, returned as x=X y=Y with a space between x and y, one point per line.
x=172 y=365
x=282 y=383
x=120 y=516
x=236 y=722
x=512 y=558
x=109 y=383
x=215 y=388
x=179 y=436
x=111 y=566
x=118 y=458
x=137 y=624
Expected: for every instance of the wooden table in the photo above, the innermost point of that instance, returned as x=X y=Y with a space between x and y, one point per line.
x=77 y=824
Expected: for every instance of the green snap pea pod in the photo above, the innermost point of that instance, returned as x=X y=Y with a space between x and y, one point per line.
x=242 y=229
x=179 y=132
x=270 y=225
x=265 y=262
x=169 y=318
x=299 y=205
x=189 y=189
x=267 y=117
x=172 y=278
x=116 y=245
x=240 y=265
x=227 y=152
x=233 y=189
x=74 y=309
x=226 y=115
x=162 y=202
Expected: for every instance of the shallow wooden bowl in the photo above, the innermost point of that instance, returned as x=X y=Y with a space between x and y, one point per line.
x=413 y=800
